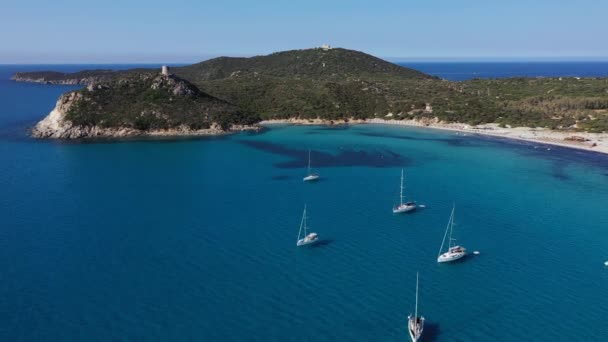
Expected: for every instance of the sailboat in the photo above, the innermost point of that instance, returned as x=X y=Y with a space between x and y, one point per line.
x=453 y=252
x=312 y=176
x=308 y=238
x=403 y=207
x=415 y=324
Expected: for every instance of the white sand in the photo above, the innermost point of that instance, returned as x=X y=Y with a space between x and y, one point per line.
x=597 y=142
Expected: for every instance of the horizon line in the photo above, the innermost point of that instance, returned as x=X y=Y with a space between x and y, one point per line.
x=519 y=59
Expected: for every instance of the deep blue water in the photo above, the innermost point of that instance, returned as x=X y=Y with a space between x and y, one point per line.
x=194 y=239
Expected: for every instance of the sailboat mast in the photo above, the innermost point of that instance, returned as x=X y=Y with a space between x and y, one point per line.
x=401 y=190
x=309 y=161
x=451 y=227
x=302 y=223
x=446 y=232
x=416 y=310
x=305 y=228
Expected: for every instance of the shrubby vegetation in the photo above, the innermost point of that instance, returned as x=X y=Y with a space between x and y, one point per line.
x=339 y=83
x=150 y=101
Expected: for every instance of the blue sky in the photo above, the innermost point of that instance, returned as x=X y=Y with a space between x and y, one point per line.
x=140 y=31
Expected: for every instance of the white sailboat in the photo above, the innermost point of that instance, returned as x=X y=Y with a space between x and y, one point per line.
x=312 y=176
x=415 y=324
x=403 y=207
x=454 y=252
x=308 y=238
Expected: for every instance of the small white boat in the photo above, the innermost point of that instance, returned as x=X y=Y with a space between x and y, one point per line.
x=454 y=252
x=403 y=207
x=308 y=239
x=312 y=176
x=415 y=324
x=606 y=263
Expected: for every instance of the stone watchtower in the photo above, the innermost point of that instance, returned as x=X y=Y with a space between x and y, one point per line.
x=428 y=108
x=164 y=70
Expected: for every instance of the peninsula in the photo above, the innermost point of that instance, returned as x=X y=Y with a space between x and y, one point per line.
x=324 y=85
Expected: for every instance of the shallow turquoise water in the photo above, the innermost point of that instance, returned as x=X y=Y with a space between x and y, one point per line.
x=194 y=239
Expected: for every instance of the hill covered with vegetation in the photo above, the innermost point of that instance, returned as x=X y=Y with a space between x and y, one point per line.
x=315 y=64
x=140 y=104
x=147 y=101
x=343 y=84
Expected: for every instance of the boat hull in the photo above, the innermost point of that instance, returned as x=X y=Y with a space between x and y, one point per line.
x=306 y=242
x=414 y=328
x=449 y=257
x=310 y=178
x=404 y=209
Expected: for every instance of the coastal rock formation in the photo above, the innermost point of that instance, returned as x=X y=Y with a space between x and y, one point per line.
x=138 y=105
x=55 y=124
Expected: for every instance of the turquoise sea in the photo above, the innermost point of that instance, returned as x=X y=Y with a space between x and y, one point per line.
x=194 y=239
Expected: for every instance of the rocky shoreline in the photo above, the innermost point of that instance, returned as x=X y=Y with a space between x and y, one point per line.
x=56 y=126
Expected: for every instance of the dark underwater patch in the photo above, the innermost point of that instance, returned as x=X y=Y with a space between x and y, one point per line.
x=344 y=158
x=457 y=141
x=392 y=136
x=560 y=157
x=431 y=331
x=336 y=127
x=558 y=172
x=462 y=142
x=260 y=131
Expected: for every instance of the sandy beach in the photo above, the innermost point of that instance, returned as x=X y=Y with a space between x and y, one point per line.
x=597 y=142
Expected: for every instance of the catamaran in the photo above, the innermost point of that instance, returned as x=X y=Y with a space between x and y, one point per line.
x=415 y=324
x=312 y=176
x=454 y=252
x=308 y=238
x=403 y=207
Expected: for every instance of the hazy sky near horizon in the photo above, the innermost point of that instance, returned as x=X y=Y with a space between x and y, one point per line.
x=152 y=31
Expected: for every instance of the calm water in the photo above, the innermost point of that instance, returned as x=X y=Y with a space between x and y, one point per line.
x=195 y=239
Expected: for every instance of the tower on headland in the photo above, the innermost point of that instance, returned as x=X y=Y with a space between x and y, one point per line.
x=428 y=108
x=326 y=47
x=164 y=70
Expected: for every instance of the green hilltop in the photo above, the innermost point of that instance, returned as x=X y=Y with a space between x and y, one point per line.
x=146 y=101
x=333 y=64
x=341 y=84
